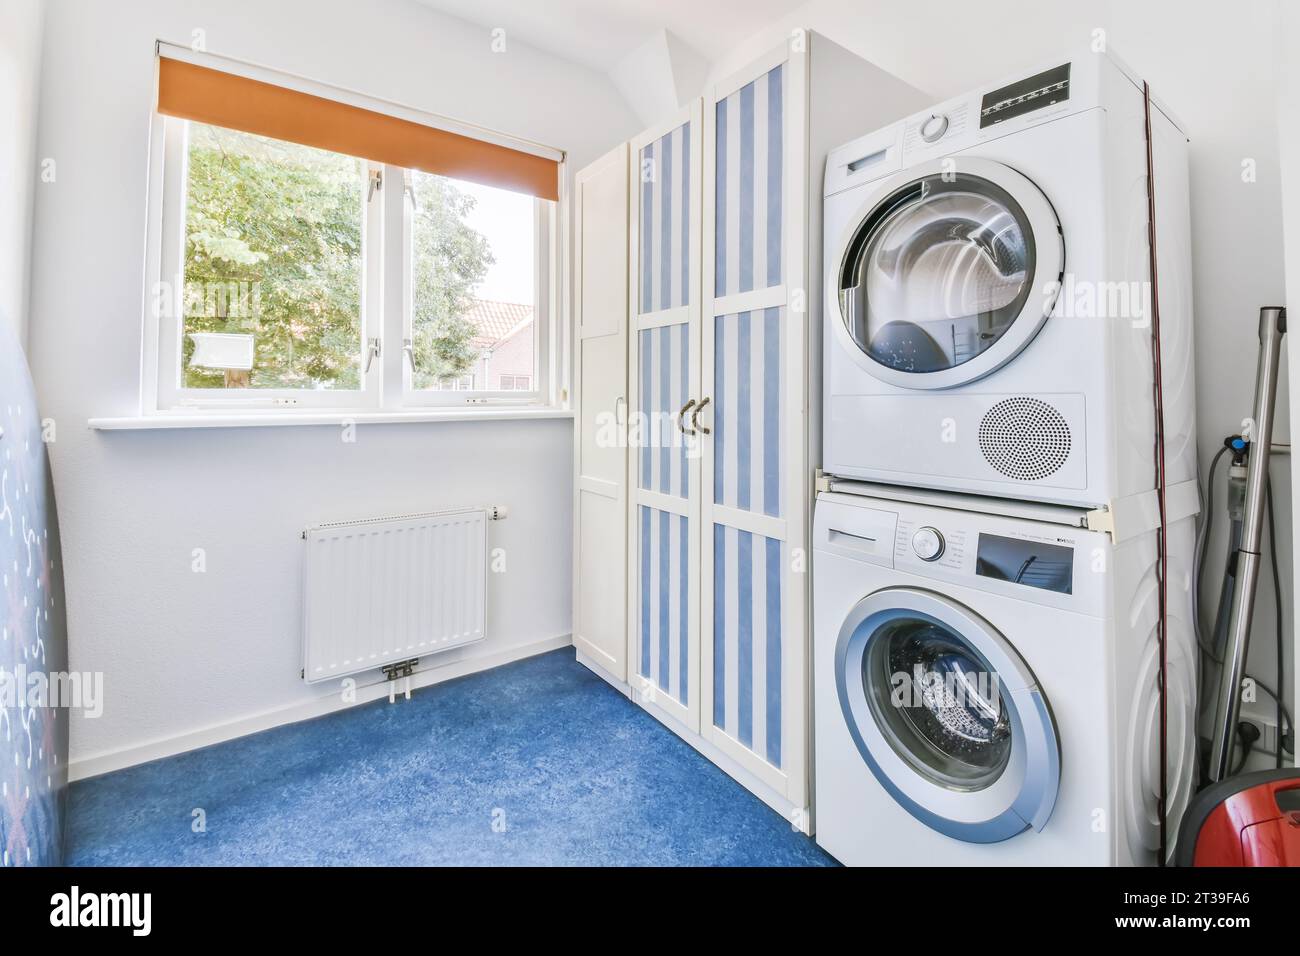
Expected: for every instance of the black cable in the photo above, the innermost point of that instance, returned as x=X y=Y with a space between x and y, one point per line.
x=1209 y=514
x=1277 y=593
x=1247 y=733
x=1203 y=550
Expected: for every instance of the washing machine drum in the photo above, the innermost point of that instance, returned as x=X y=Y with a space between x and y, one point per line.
x=949 y=272
x=947 y=715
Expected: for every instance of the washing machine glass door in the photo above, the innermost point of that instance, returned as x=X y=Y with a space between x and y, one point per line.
x=948 y=273
x=947 y=715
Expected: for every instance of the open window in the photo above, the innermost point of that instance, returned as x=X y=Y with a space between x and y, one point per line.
x=475 y=326
x=319 y=250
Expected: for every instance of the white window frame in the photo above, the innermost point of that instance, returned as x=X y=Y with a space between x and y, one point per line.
x=386 y=288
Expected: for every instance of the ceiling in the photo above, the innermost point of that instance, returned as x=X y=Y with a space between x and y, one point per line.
x=599 y=33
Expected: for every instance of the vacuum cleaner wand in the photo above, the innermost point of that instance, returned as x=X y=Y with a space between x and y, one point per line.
x=1272 y=326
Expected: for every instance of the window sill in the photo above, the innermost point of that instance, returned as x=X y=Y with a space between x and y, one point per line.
x=264 y=419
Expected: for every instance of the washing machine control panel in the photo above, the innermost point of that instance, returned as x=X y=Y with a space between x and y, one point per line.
x=923 y=134
x=1040 y=563
x=916 y=540
x=1028 y=559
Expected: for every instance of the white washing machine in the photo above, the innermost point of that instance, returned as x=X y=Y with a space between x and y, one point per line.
x=985 y=684
x=987 y=279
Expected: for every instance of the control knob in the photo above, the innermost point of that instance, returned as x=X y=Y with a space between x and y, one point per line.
x=928 y=544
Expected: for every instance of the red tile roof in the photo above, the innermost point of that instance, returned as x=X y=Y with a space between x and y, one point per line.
x=496 y=321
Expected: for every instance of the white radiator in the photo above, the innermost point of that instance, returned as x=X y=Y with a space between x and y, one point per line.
x=389 y=589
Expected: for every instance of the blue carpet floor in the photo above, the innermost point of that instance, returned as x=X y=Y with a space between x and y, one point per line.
x=539 y=762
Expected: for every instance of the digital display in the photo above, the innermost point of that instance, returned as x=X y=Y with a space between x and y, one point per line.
x=1035 y=564
x=1025 y=96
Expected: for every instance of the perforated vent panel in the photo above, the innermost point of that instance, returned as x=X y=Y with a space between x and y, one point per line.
x=1024 y=438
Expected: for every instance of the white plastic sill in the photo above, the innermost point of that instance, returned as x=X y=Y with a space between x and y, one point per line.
x=260 y=419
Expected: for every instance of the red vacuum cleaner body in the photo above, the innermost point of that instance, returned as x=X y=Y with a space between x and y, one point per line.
x=1249 y=820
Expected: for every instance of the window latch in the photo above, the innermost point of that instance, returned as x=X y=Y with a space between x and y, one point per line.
x=376 y=183
x=408 y=186
x=372 y=353
x=408 y=349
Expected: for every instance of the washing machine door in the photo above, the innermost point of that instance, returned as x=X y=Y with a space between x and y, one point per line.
x=948 y=271
x=947 y=715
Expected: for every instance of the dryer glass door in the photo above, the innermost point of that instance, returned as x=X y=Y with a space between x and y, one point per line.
x=949 y=274
x=947 y=715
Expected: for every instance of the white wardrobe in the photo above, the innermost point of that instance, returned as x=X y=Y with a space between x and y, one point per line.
x=698 y=405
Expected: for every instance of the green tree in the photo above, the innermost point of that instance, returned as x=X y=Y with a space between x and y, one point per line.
x=274 y=248
x=450 y=259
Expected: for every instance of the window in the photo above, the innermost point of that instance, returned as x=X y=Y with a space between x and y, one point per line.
x=274 y=255
x=474 y=287
x=294 y=275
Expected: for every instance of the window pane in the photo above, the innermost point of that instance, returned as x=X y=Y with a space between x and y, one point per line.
x=273 y=264
x=473 y=286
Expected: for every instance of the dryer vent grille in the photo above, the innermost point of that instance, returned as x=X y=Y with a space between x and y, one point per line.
x=1024 y=438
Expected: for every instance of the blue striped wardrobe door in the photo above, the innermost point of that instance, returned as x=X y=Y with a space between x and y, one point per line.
x=663 y=460
x=663 y=628
x=665 y=241
x=749 y=456
x=749 y=180
x=747 y=639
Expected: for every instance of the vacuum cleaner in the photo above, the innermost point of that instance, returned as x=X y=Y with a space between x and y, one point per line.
x=1252 y=819
x=1245 y=819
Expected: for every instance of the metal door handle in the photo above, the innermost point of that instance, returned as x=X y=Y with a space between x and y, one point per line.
x=680 y=426
x=695 y=417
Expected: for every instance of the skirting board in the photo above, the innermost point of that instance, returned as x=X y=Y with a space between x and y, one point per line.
x=715 y=756
x=101 y=763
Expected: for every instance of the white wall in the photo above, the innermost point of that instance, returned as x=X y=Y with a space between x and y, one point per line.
x=1215 y=64
x=187 y=653
x=21 y=25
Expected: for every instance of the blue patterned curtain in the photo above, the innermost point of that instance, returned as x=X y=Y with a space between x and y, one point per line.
x=33 y=634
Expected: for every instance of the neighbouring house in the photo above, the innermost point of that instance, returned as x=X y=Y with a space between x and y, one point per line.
x=505 y=345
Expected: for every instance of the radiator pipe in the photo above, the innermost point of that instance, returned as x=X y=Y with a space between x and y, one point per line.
x=1272 y=326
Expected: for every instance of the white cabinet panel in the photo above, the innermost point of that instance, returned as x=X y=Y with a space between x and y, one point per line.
x=601 y=197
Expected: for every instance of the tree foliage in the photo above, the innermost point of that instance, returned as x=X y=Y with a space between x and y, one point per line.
x=273 y=248
x=450 y=260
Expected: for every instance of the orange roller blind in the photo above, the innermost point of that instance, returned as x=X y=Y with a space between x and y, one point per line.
x=224 y=99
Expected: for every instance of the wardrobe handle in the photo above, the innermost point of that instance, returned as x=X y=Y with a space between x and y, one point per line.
x=695 y=417
x=680 y=426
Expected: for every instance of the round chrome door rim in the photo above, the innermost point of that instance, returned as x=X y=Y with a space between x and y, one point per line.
x=1025 y=793
x=1049 y=268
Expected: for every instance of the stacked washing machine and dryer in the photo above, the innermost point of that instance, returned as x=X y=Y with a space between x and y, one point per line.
x=987 y=569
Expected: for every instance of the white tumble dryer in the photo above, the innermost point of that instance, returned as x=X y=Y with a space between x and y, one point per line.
x=987 y=327
x=986 y=683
